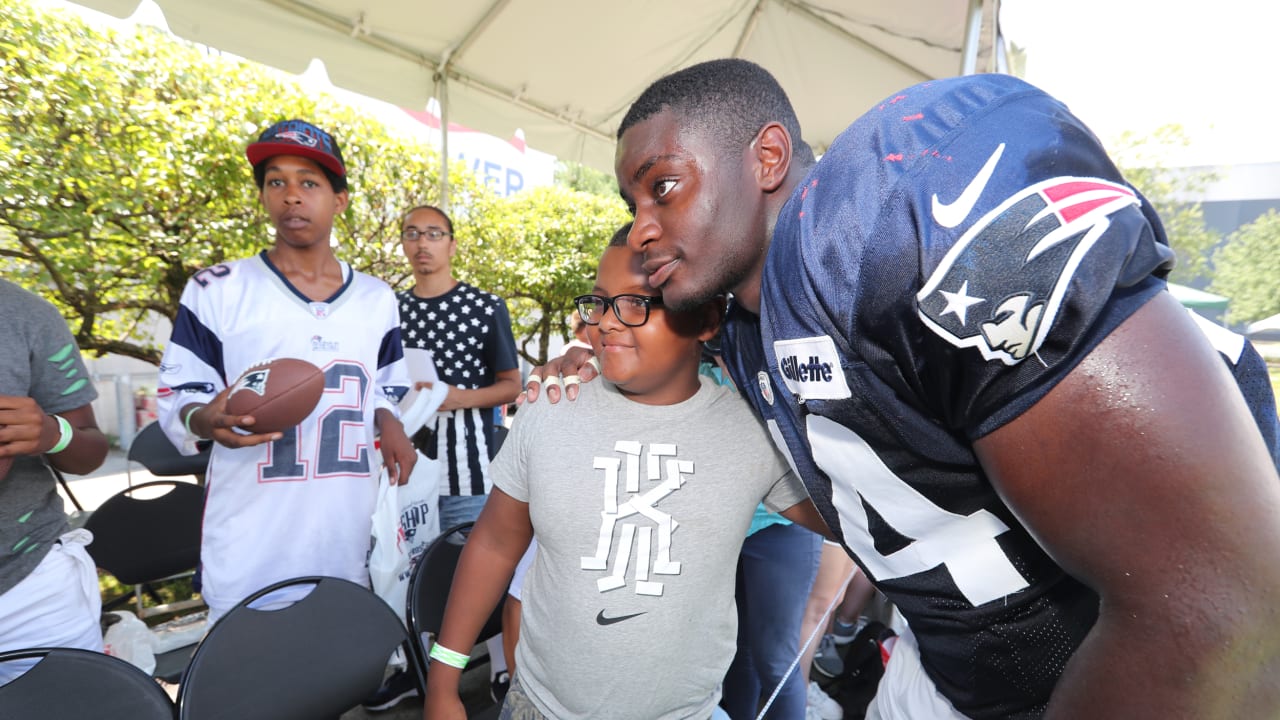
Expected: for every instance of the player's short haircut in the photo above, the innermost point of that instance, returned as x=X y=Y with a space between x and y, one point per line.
x=619 y=238
x=448 y=222
x=728 y=100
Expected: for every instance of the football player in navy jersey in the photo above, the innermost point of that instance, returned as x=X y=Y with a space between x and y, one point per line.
x=957 y=325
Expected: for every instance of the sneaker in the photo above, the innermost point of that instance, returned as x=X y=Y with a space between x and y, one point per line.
x=499 y=686
x=844 y=633
x=821 y=702
x=398 y=687
x=811 y=713
x=827 y=659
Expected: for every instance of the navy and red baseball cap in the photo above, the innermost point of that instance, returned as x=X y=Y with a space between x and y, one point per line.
x=301 y=138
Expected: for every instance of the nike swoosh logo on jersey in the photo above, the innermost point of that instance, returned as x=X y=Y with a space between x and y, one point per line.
x=602 y=620
x=949 y=215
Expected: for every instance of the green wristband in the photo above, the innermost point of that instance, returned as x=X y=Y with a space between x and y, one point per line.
x=64 y=437
x=186 y=421
x=452 y=658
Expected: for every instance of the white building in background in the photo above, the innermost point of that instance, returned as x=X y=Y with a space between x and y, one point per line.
x=1242 y=194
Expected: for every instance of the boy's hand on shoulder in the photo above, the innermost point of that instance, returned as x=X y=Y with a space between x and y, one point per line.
x=398 y=454
x=577 y=365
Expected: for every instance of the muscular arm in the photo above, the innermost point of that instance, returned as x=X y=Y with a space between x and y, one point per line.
x=488 y=560
x=1143 y=474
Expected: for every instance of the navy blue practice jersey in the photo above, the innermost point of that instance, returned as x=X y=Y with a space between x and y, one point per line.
x=954 y=255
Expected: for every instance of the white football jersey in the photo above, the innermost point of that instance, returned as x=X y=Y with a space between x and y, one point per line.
x=300 y=505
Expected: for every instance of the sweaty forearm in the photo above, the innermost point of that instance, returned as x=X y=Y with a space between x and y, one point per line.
x=1222 y=665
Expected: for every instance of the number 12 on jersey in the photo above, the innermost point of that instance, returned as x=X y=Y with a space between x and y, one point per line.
x=337 y=452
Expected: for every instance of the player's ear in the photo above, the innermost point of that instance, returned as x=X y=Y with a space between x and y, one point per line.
x=771 y=151
x=712 y=315
x=341 y=200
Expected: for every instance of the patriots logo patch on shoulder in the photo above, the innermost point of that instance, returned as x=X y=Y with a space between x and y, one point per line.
x=1000 y=287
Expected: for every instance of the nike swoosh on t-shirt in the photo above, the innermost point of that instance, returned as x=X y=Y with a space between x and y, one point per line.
x=602 y=620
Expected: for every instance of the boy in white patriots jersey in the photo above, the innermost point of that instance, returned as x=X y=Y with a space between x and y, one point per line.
x=293 y=503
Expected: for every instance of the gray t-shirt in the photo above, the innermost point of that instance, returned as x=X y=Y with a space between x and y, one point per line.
x=38 y=359
x=639 y=511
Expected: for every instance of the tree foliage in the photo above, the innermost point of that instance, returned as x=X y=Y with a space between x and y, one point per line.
x=1169 y=191
x=540 y=250
x=122 y=172
x=1247 y=270
x=577 y=176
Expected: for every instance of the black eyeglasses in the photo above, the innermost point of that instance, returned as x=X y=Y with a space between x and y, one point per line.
x=413 y=234
x=631 y=310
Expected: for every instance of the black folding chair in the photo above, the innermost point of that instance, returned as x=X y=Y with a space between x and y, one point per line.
x=316 y=658
x=429 y=592
x=144 y=540
x=151 y=449
x=71 y=684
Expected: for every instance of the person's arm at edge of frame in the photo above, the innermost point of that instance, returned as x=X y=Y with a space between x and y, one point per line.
x=29 y=430
x=488 y=560
x=1119 y=474
x=575 y=361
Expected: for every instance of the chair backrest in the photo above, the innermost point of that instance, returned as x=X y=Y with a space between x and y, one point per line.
x=318 y=657
x=151 y=448
x=429 y=592
x=141 y=539
x=70 y=684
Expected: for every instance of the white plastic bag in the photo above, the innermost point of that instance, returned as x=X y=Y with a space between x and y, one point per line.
x=389 y=553
x=405 y=517
x=130 y=639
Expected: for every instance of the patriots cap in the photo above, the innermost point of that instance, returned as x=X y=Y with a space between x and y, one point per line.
x=301 y=138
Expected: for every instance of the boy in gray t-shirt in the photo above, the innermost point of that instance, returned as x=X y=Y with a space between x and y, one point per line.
x=48 y=584
x=640 y=495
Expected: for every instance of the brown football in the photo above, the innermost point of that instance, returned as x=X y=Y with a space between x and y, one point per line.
x=5 y=464
x=278 y=393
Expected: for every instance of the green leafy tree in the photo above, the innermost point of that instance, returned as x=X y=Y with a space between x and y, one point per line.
x=1247 y=270
x=577 y=176
x=1169 y=190
x=539 y=250
x=122 y=171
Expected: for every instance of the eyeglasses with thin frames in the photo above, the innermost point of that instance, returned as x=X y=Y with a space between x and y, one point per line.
x=631 y=309
x=413 y=234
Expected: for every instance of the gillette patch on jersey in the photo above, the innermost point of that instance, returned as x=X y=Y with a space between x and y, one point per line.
x=811 y=368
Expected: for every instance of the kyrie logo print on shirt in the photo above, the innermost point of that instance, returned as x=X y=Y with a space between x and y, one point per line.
x=631 y=508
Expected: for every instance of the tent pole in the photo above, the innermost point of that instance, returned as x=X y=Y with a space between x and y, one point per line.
x=972 y=38
x=442 y=96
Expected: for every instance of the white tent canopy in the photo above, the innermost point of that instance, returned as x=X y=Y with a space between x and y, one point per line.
x=565 y=71
x=1266 y=329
